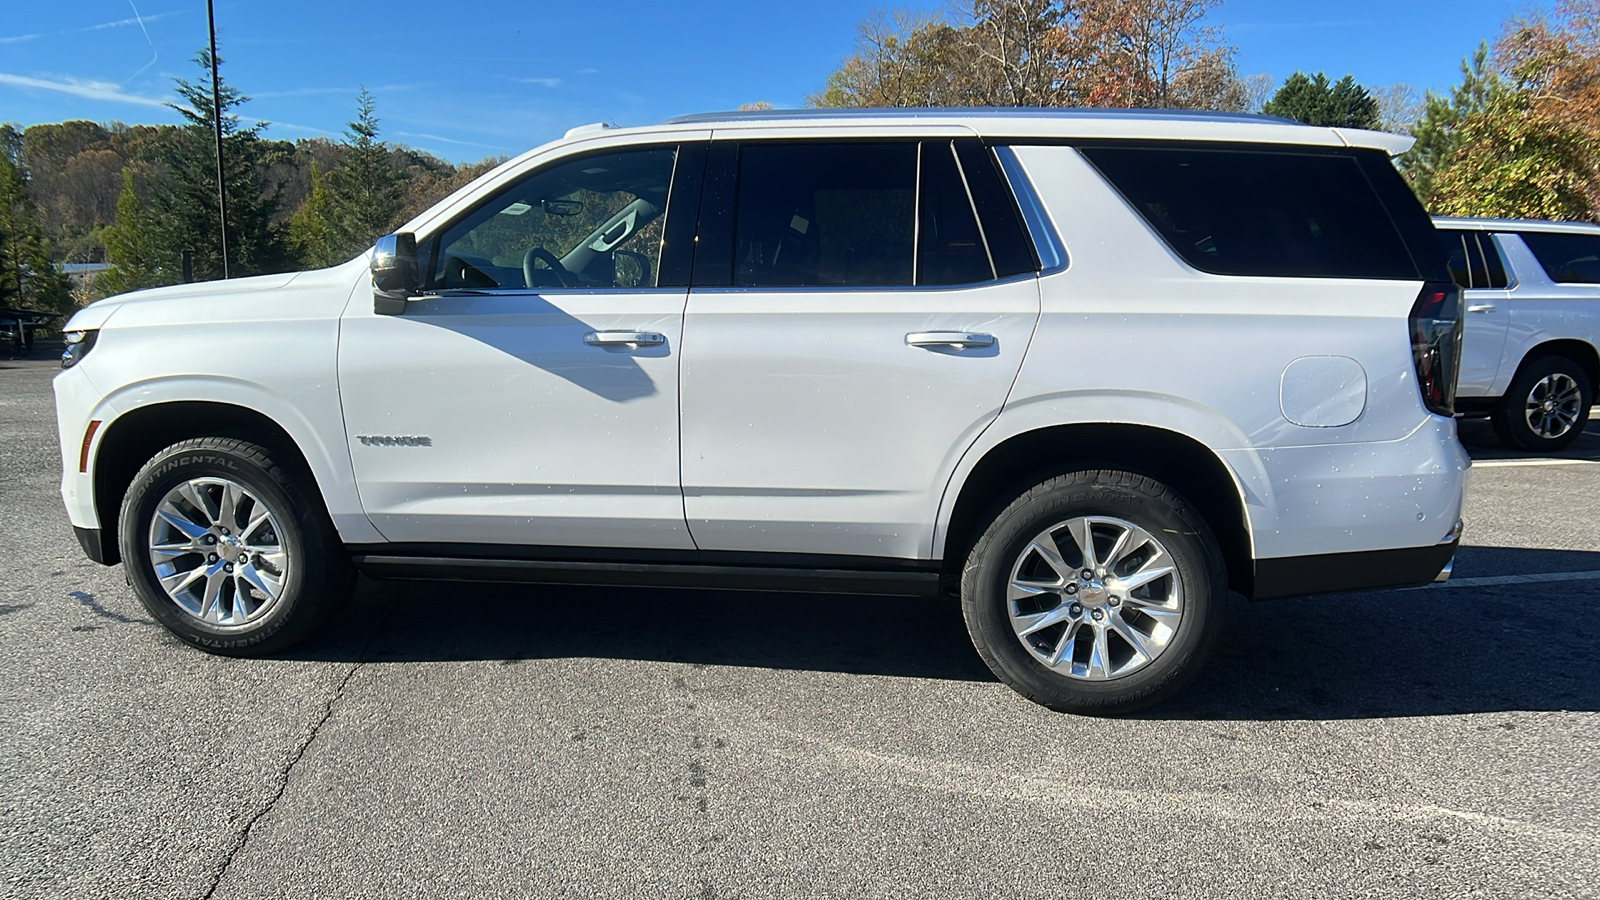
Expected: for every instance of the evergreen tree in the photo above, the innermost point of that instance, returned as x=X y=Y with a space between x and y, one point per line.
x=1314 y=100
x=186 y=205
x=1438 y=130
x=313 y=233
x=365 y=190
x=28 y=278
x=128 y=247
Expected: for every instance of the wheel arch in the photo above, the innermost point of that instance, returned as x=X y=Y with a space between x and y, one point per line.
x=1176 y=460
x=131 y=439
x=1579 y=351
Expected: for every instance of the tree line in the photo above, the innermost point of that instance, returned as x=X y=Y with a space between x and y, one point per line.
x=1519 y=135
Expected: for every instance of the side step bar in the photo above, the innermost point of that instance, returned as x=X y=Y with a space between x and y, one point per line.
x=727 y=578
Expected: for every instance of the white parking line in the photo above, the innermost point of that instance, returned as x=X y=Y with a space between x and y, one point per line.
x=1491 y=580
x=1505 y=463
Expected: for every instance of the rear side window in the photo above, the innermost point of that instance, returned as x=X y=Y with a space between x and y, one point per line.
x=1474 y=259
x=1261 y=212
x=820 y=214
x=1566 y=258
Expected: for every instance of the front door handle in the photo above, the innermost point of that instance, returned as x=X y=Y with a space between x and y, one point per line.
x=1482 y=308
x=961 y=340
x=625 y=338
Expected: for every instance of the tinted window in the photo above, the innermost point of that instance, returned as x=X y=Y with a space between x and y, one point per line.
x=1261 y=212
x=949 y=246
x=1494 y=267
x=825 y=214
x=1455 y=246
x=592 y=222
x=1566 y=258
x=1003 y=227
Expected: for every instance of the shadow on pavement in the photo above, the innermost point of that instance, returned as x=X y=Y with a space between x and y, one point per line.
x=1434 y=651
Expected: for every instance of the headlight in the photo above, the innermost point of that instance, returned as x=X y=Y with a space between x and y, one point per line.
x=79 y=343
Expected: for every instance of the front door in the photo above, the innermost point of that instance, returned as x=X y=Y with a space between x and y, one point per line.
x=862 y=342
x=531 y=395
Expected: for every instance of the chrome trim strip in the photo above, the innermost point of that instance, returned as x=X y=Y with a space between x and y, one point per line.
x=1052 y=255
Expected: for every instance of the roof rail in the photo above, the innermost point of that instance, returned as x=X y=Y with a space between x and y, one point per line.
x=586 y=129
x=1062 y=112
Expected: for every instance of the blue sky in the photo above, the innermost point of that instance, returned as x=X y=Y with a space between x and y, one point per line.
x=468 y=78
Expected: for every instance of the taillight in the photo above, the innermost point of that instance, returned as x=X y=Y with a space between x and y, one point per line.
x=1436 y=344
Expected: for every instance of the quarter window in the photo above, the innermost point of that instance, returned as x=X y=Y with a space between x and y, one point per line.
x=1260 y=212
x=1566 y=258
x=592 y=222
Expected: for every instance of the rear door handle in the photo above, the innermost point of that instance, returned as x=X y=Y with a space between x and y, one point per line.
x=626 y=338
x=962 y=340
x=1482 y=308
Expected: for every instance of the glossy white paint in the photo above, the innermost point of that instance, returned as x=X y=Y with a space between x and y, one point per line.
x=1323 y=391
x=269 y=344
x=810 y=425
x=808 y=422
x=1129 y=334
x=535 y=436
x=1533 y=310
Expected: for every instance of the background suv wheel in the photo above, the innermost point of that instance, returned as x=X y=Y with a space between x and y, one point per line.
x=1546 y=406
x=1095 y=592
x=228 y=549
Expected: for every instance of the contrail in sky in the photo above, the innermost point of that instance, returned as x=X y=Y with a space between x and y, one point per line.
x=153 y=54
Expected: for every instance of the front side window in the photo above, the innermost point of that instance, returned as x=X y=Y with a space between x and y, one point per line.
x=1260 y=212
x=1566 y=258
x=591 y=222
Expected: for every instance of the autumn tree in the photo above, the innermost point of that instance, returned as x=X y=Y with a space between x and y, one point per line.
x=1314 y=100
x=1513 y=162
x=1129 y=53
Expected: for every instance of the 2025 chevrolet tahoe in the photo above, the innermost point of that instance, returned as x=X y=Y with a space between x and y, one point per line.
x=1092 y=370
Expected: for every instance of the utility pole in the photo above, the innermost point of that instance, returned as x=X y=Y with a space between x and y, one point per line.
x=216 y=117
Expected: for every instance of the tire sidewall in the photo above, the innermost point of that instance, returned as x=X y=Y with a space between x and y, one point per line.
x=1188 y=542
x=174 y=466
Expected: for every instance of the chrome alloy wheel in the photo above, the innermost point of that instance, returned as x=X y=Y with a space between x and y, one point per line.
x=1553 y=405
x=217 y=551
x=1095 y=598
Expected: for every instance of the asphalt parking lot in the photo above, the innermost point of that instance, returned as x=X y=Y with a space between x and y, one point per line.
x=465 y=741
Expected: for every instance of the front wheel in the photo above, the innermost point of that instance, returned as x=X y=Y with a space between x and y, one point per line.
x=1097 y=592
x=229 y=550
x=1546 y=406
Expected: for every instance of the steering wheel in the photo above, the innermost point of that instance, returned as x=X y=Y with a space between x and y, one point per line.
x=545 y=256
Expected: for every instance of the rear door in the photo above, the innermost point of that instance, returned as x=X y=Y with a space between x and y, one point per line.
x=854 y=325
x=1476 y=266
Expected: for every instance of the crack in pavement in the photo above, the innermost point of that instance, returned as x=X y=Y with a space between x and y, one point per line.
x=283 y=782
x=299 y=753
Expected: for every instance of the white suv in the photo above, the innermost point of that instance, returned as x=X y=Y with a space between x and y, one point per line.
x=1090 y=369
x=1528 y=358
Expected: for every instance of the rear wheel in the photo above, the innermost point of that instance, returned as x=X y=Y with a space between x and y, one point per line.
x=1095 y=592
x=229 y=550
x=1546 y=406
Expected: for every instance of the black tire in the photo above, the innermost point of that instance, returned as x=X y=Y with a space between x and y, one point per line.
x=1158 y=510
x=1532 y=384
x=317 y=580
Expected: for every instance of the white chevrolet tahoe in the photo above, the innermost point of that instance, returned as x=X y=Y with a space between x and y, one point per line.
x=1092 y=370
x=1528 y=359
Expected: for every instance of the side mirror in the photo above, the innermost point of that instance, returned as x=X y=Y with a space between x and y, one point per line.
x=394 y=273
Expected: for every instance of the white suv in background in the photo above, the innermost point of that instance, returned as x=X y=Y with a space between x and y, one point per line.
x=1089 y=369
x=1528 y=358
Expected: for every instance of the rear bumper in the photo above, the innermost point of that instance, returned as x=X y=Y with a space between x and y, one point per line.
x=1296 y=576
